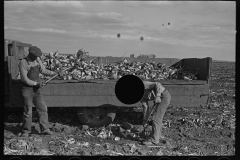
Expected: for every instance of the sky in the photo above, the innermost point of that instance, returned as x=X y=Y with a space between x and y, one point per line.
x=170 y=29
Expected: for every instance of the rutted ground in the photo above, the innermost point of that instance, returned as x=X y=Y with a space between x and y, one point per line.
x=209 y=130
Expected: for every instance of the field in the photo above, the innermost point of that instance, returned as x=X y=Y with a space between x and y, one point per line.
x=209 y=130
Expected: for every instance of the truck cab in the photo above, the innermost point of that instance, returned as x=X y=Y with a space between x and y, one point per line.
x=13 y=52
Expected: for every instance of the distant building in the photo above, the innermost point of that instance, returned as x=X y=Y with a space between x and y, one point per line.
x=142 y=56
x=132 y=55
x=151 y=56
x=147 y=56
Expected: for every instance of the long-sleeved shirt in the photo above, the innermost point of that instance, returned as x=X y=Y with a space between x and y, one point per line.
x=152 y=89
x=24 y=67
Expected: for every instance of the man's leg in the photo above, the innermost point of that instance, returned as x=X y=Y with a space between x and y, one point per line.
x=146 y=110
x=41 y=108
x=158 y=116
x=157 y=119
x=27 y=94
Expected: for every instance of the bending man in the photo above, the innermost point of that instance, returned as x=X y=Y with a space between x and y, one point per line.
x=155 y=91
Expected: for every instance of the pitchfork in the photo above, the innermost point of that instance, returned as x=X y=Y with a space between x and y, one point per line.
x=55 y=76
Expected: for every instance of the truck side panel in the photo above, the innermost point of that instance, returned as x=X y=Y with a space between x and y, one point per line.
x=6 y=82
x=13 y=66
x=107 y=89
x=96 y=94
x=201 y=67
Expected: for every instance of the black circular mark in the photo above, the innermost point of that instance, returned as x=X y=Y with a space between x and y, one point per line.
x=129 y=89
x=223 y=158
x=193 y=158
x=15 y=158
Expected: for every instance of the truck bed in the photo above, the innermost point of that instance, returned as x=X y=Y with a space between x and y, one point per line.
x=94 y=93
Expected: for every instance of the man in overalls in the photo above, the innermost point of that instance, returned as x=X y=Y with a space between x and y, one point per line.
x=29 y=68
x=155 y=91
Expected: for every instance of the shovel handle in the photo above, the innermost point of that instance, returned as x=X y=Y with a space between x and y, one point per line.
x=153 y=108
x=55 y=75
x=148 y=118
x=51 y=78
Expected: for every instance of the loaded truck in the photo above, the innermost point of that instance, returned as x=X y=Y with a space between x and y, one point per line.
x=95 y=100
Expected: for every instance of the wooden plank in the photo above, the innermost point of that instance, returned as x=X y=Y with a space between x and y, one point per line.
x=6 y=78
x=182 y=82
x=94 y=101
x=187 y=90
x=21 y=44
x=186 y=101
x=92 y=89
x=59 y=100
x=56 y=81
x=88 y=89
x=77 y=101
x=14 y=47
x=209 y=70
x=13 y=66
x=5 y=49
x=80 y=89
x=164 y=82
x=190 y=101
x=15 y=97
x=94 y=94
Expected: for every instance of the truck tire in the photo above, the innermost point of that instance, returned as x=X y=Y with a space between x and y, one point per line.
x=96 y=116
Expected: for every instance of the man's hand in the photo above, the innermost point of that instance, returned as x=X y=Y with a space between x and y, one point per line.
x=157 y=100
x=144 y=122
x=60 y=73
x=40 y=84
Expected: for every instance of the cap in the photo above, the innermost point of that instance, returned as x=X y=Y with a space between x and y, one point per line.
x=35 y=51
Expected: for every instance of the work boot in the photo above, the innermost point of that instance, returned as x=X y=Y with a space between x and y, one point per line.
x=23 y=134
x=162 y=137
x=149 y=142
x=47 y=132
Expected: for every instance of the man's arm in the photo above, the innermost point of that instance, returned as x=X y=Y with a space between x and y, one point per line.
x=158 y=88
x=43 y=70
x=23 y=69
x=155 y=86
x=145 y=110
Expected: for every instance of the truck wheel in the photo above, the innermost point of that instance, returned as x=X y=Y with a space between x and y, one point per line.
x=96 y=116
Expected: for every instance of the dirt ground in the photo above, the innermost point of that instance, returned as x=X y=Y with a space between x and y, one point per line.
x=207 y=130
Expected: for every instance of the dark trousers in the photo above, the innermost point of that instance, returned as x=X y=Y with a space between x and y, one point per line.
x=33 y=96
x=158 y=116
